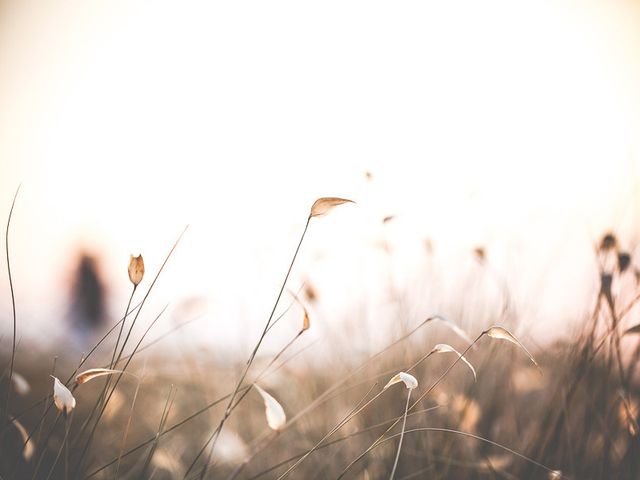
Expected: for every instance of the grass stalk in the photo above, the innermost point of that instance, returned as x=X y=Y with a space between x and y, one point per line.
x=13 y=308
x=213 y=438
x=129 y=420
x=404 y=424
x=67 y=427
x=163 y=420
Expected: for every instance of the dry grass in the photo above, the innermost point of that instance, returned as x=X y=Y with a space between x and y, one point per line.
x=192 y=418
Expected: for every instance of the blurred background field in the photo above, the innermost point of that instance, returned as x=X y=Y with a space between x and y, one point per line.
x=492 y=152
x=574 y=417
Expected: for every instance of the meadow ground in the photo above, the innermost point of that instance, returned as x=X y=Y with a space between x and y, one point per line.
x=568 y=410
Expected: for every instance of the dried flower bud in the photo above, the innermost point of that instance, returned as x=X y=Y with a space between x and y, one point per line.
x=310 y=292
x=608 y=242
x=136 y=269
x=306 y=323
x=480 y=254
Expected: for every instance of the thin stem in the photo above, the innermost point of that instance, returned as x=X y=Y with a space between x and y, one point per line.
x=272 y=435
x=476 y=437
x=13 y=305
x=155 y=279
x=168 y=430
x=161 y=337
x=163 y=418
x=46 y=409
x=107 y=384
x=45 y=400
x=126 y=430
x=113 y=356
x=43 y=452
x=469 y=435
x=318 y=401
x=341 y=439
x=104 y=407
x=264 y=371
x=429 y=390
x=340 y=424
x=182 y=422
x=325 y=396
x=67 y=427
x=279 y=354
x=404 y=423
x=144 y=299
x=291 y=304
x=66 y=451
x=214 y=437
x=126 y=312
x=351 y=415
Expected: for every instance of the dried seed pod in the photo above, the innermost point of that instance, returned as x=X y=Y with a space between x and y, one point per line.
x=324 y=205
x=136 y=269
x=409 y=381
x=92 y=373
x=608 y=242
x=503 y=334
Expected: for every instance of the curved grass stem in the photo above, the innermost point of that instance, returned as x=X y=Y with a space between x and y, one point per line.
x=404 y=424
x=214 y=436
x=13 y=307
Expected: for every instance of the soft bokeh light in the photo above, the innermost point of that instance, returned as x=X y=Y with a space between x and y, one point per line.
x=508 y=125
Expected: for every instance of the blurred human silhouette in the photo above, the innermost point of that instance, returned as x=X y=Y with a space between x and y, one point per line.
x=87 y=297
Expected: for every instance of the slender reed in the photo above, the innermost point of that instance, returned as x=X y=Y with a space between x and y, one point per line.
x=13 y=307
x=67 y=427
x=404 y=424
x=214 y=436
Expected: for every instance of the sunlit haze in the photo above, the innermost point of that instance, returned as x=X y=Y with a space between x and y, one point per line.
x=511 y=126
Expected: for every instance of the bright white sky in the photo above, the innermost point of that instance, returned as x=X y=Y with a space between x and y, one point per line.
x=512 y=125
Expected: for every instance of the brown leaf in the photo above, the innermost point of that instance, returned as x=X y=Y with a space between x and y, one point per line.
x=305 y=321
x=92 y=373
x=628 y=415
x=323 y=205
x=503 y=334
